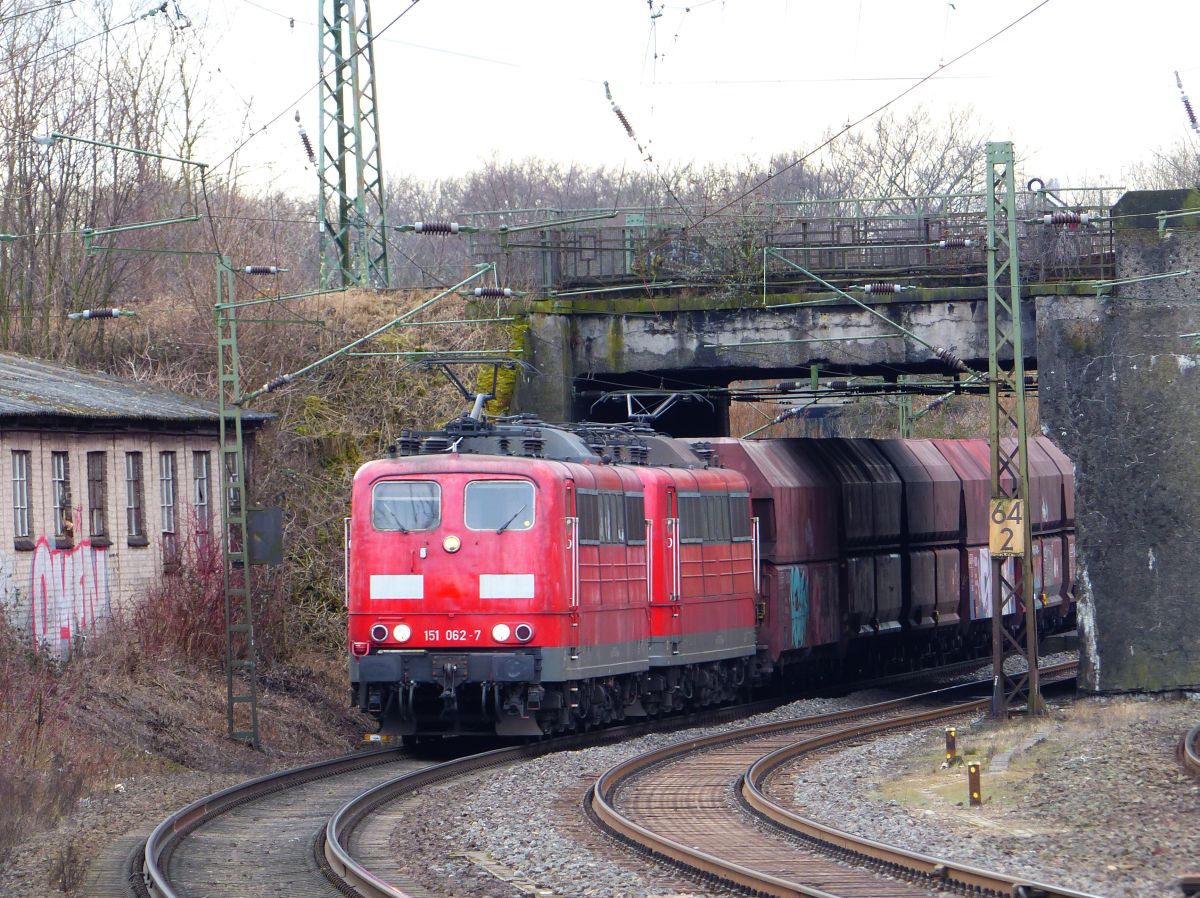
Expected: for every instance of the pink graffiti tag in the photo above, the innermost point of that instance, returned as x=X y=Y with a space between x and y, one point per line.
x=69 y=592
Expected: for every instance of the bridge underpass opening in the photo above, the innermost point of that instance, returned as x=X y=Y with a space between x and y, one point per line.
x=678 y=403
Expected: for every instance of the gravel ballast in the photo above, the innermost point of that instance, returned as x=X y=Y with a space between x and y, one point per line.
x=1094 y=799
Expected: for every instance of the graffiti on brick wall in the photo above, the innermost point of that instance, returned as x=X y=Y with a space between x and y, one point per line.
x=68 y=594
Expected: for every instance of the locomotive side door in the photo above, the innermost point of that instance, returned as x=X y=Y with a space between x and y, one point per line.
x=572 y=548
x=673 y=569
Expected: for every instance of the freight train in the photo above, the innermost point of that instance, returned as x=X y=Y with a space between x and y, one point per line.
x=524 y=579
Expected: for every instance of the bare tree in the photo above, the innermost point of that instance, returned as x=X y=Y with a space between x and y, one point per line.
x=907 y=164
x=1168 y=168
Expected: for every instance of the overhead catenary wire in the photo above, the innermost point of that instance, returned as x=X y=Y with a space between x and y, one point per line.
x=58 y=51
x=849 y=126
x=645 y=153
x=5 y=18
x=374 y=37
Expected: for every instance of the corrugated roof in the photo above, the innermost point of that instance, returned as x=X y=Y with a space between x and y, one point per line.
x=35 y=388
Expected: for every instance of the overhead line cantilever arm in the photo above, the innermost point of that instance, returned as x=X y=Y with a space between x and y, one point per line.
x=54 y=136
x=278 y=382
x=285 y=298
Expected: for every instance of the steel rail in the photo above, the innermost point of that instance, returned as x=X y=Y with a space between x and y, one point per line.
x=168 y=833
x=147 y=872
x=345 y=867
x=937 y=871
x=347 y=871
x=601 y=801
x=148 y=875
x=602 y=796
x=1190 y=750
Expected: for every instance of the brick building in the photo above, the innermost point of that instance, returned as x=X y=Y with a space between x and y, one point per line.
x=105 y=479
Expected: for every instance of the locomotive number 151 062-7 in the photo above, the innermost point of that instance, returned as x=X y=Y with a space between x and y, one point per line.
x=452 y=635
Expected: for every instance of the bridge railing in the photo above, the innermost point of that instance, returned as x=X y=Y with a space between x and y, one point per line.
x=925 y=242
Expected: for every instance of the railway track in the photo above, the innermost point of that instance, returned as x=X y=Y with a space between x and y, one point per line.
x=329 y=825
x=1190 y=750
x=687 y=804
x=314 y=831
x=256 y=839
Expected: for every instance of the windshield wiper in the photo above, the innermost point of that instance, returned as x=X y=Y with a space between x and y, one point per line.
x=395 y=519
x=504 y=526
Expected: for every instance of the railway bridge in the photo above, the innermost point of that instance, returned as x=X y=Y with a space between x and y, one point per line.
x=639 y=306
x=672 y=302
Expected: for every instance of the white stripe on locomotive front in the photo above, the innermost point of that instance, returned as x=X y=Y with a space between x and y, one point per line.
x=506 y=586
x=397 y=586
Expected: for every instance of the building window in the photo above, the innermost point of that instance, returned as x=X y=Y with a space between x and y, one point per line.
x=60 y=473
x=97 y=486
x=20 y=477
x=233 y=476
x=135 y=503
x=166 y=483
x=201 y=473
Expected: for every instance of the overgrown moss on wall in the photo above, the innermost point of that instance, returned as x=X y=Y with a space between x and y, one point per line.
x=506 y=378
x=616 y=343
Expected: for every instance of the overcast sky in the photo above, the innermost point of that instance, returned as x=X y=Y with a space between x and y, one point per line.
x=1082 y=87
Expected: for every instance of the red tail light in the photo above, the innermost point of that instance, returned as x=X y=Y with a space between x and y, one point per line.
x=358 y=649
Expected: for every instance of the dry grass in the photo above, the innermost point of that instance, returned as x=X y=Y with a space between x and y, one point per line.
x=121 y=709
x=148 y=695
x=47 y=762
x=921 y=783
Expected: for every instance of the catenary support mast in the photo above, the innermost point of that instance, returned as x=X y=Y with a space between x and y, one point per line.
x=1011 y=544
x=350 y=165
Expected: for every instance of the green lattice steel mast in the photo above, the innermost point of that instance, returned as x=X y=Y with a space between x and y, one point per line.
x=241 y=672
x=1010 y=466
x=349 y=163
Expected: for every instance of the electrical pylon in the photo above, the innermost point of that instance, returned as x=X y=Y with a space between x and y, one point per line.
x=349 y=164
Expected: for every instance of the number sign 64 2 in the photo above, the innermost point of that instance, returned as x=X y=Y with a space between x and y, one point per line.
x=1007 y=531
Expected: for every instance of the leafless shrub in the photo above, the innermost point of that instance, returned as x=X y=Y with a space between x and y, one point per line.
x=45 y=765
x=68 y=869
x=185 y=613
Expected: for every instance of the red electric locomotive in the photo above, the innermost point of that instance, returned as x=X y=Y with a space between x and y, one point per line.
x=511 y=581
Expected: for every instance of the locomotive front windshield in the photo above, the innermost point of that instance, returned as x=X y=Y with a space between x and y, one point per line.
x=499 y=505
x=406 y=505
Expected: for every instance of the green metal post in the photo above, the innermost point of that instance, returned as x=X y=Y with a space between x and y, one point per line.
x=1007 y=434
x=350 y=165
x=241 y=672
x=905 y=404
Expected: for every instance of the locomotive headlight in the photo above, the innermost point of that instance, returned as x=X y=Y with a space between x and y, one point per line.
x=523 y=632
x=379 y=632
x=452 y=544
x=402 y=632
x=501 y=632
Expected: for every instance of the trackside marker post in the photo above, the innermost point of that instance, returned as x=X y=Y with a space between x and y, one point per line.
x=973 y=784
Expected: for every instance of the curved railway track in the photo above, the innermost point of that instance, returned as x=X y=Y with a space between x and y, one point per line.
x=313 y=831
x=324 y=829
x=1190 y=750
x=256 y=838
x=686 y=803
